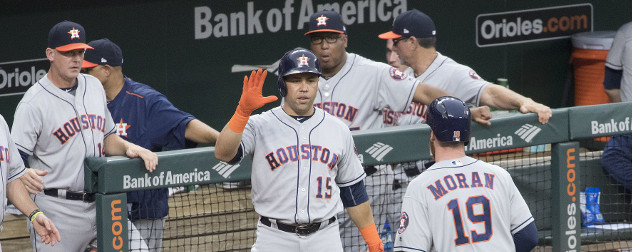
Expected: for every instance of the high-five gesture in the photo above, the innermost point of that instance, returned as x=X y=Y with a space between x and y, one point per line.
x=251 y=96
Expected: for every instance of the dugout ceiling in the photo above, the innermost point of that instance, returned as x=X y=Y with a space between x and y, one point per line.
x=186 y=49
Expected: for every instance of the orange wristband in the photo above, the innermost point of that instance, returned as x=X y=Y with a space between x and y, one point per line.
x=369 y=233
x=238 y=122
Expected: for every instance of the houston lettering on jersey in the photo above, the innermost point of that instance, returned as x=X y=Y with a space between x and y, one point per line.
x=339 y=110
x=76 y=125
x=438 y=190
x=4 y=154
x=291 y=154
x=390 y=117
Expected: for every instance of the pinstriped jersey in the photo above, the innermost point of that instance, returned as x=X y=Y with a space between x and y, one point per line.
x=461 y=204
x=620 y=58
x=58 y=130
x=298 y=167
x=444 y=73
x=11 y=165
x=359 y=92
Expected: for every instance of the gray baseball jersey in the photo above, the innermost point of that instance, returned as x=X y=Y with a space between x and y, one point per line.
x=362 y=89
x=11 y=165
x=298 y=167
x=456 y=79
x=620 y=58
x=462 y=204
x=57 y=129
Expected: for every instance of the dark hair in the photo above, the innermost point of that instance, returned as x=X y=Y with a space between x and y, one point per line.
x=427 y=42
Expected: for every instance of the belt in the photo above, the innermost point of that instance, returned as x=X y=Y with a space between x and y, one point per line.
x=369 y=170
x=300 y=229
x=64 y=194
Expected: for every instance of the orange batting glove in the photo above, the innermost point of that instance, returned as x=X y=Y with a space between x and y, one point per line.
x=372 y=239
x=251 y=99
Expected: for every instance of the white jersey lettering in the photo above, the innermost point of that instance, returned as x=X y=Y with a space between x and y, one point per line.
x=297 y=168
x=461 y=204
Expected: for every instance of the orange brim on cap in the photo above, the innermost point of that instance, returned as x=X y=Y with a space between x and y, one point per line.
x=389 y=35
x=88 y=64
x=323 y=30
x=73 y=46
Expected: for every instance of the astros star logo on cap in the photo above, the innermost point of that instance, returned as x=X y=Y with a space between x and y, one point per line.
x=302 y=61
x=74 y=33
x=321 y=20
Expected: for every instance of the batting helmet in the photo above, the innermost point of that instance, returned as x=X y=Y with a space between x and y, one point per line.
x=450 y=119
x=299 y=60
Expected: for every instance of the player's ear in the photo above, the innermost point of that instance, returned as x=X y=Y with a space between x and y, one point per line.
x=50 y=52
x=345 y=39
x=414 y=42
x=107 y=70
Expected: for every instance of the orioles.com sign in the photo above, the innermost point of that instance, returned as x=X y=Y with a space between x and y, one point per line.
x=522 y=26
x=18 y=76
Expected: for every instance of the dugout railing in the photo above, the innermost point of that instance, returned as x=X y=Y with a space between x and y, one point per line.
x=551 y=164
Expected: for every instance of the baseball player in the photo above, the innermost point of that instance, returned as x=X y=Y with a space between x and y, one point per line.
x=414 y=39
x=618 y=74
x=616 y=158
x=356 y=90
x=12 y=168
x=460 y=203
x=145 y=117
x=60 y=121
x=305 y=167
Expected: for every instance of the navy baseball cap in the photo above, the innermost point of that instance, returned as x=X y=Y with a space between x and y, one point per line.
x=105 y=53
x=67 y=36
x=411 y=23
x=326 y=21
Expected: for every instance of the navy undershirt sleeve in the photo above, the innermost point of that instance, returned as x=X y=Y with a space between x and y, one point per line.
x=526 y=239
x=237 y=156
x=612 y=79
x=353 y=195
x=25 y=158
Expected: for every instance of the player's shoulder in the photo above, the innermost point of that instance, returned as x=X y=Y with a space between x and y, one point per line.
x=34 y=92
x=3 y=122
x=449 y=67
x=627 y=29
x=265 y=117
x=491 y=168
x=449 y=64
x=330 y=119
x=140 y=89
x=88 y=79
x=362 y=62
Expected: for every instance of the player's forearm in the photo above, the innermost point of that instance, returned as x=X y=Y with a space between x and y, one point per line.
x=200 y=132
x=227 y=144
x=361 y=215
x=614 y=95
x=115 y=145
x=503 y=98
x=17 y=194
x=425 y=94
